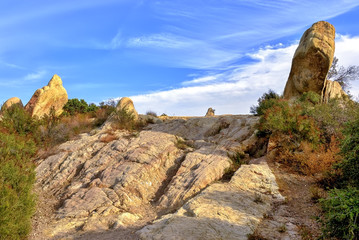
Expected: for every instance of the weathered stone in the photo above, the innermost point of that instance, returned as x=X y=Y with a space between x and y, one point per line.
x=52 y=96
x=311 y=61
x=223 y=210
x=210 y=112
x=127 y=104
x=332 y=89
x=105 y=185
x=11 y=101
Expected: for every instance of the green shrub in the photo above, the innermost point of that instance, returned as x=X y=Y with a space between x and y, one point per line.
x=349 y=166
x=74 y=106
x=265 y=102
x=341 y=214
x=288 y=119
x=16 y=120
x=17 y=176
x=125 y=119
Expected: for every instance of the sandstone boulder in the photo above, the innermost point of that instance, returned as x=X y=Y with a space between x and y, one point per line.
x=10 y=102
x=210 y=112
x=311 y=61
x=53 y=95
x=332 y=89
x=127 y=104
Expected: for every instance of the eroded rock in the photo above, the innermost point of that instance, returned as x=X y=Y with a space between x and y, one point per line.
x=127 y=104
x=331 y=90
x=223 y=210
x=311 y=61
x=133 y=177
x=11 y=101
x=210 y=112
x=52 y=96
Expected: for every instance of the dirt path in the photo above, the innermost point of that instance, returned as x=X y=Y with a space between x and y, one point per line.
x=295 y=217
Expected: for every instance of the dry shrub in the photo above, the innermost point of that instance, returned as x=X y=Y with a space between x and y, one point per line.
x=109 y=137
x=318 y=160
x=65 y=129
x=304 y=157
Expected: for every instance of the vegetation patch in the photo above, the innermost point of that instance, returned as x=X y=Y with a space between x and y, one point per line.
x=17 y=174
x=320 y=140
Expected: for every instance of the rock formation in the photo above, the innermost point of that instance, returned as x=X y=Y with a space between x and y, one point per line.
x=223 y=210
x=311 y=60
x=105 y=183
x=127 y=104
x=11 y=101
x=53 y=95
x=210 y=112
x=332 y=89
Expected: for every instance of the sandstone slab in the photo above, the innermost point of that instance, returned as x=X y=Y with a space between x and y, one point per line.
x=223 y=210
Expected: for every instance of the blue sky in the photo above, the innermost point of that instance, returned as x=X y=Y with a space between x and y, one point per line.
x=177 y=57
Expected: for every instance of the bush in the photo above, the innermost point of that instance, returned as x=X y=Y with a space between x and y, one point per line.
x=341 y=214
x=151 y=113
x=265 y=102
x=16 y=120
x=74 y=106
x=17 y=177
x=125 y=119
x=350 y=152
x=283 y=118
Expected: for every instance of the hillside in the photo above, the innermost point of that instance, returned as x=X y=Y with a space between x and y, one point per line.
x=289 y=171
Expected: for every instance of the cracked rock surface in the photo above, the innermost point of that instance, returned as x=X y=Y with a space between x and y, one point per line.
x=131 y=179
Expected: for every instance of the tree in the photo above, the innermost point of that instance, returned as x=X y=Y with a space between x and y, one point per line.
x=74 y=106
x=342 y=74
x=266 y=101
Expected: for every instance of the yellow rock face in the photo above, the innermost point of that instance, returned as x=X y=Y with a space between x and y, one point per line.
x=311 y=61
x=53 y=95
x=127 y=103
x=10 y=102
x=210 y=112
x=331 y=90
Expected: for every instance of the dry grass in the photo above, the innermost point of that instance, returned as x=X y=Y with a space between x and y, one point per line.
x=304 y=157
x=109 y=137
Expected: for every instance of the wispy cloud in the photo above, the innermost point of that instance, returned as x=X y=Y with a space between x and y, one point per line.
x=177 y=51
x=212 y=36
x=11 y=65
x=35 y=76
x=202 y=80
x=40 y=9
x=21 y=81
x=161 y=41
x=240 y=87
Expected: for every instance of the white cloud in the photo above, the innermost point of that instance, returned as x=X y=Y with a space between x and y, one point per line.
x=160 y=41
x=240 y=87
x=35 y=76
x=178 y=51
x=347 y=52
x=205 y=79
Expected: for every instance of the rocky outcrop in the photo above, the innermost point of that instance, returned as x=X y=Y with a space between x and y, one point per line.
x=127 y=104
x=53 y=95
x=11 y=101
x=113 y=179
x=332 y=89
x=311 y=60
x=223 y=210
x=210 y=112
